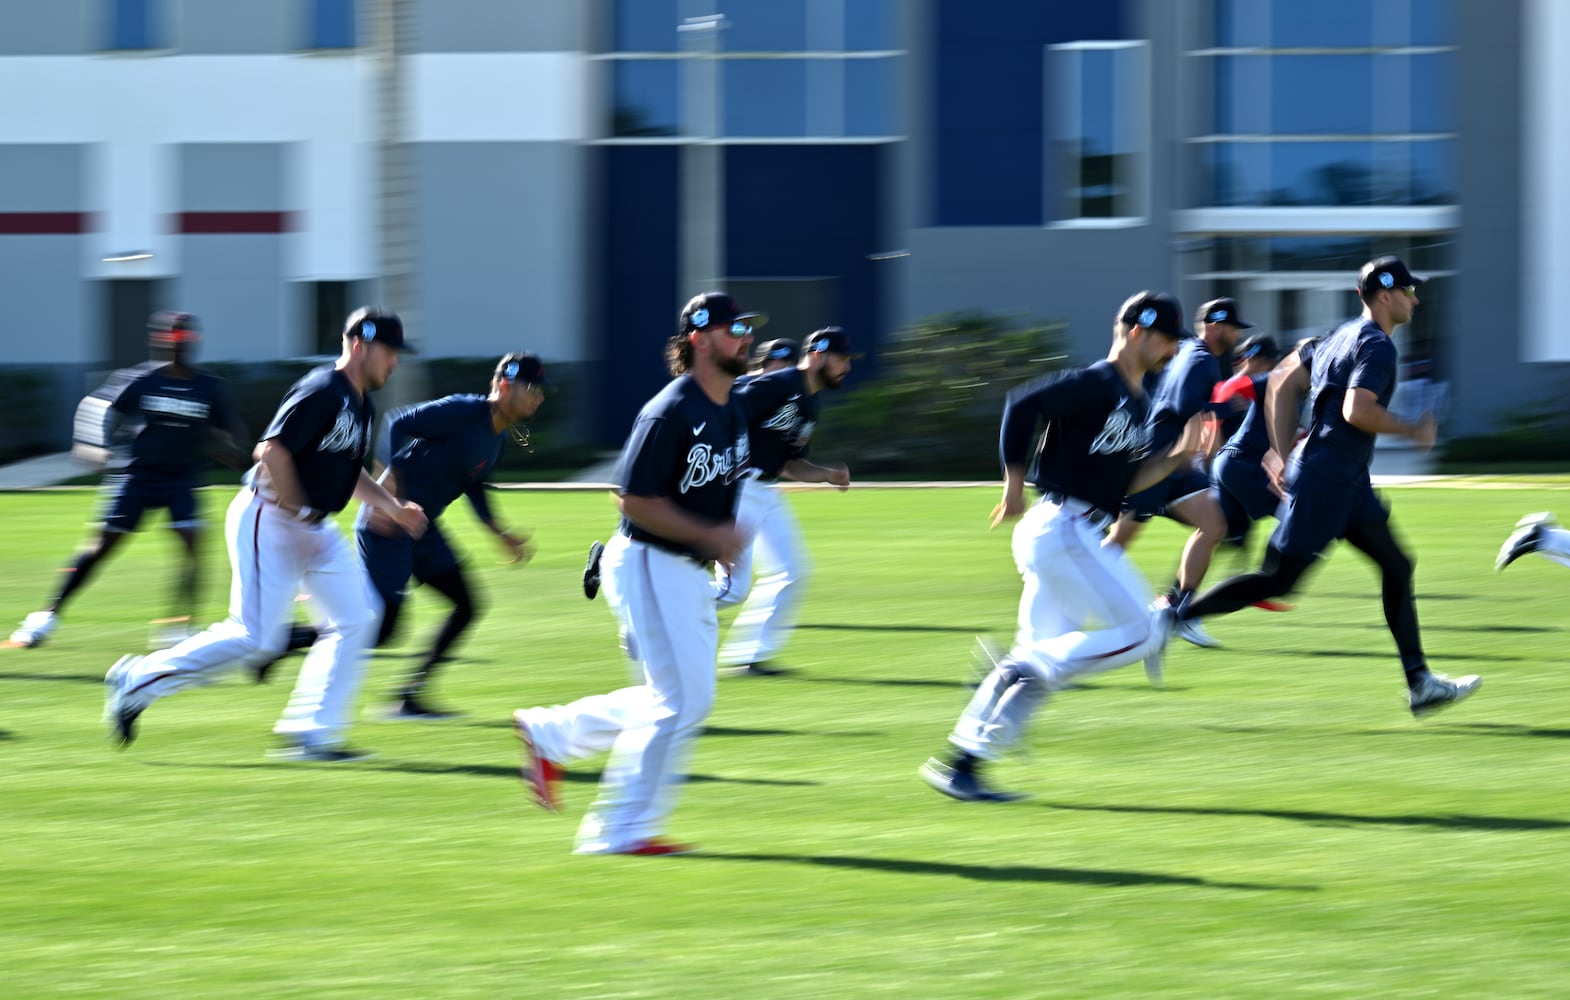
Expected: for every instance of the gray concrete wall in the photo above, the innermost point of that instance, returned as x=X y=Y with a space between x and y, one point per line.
x=202 y=27
x=235 y=281
x=1483 y=357
x=501 y=248
x=501 y=26
x=53 y=28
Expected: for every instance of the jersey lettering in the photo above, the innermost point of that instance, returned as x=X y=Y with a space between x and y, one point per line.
x=1119 y=434
x=175 y=407
x=346 y=435
x=705 y=465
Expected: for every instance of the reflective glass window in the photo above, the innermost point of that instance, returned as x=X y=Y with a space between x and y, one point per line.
x=1238 y=173
x=1099 y=102
x=647 y=97
x=1333 y=23
x=332 y=24
x=1321 y=173
x=1315 y=95
x=1433 y=92
x=764 y=97
x=136 y=24
x=1320 y=23
x=766 y=26
x=872 y=25
x=1433 y=177
x=872 y=97
x=646 y=25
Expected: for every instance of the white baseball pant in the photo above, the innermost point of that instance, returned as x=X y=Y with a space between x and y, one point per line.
x=272 y=557
x=777 y=553
x=667 y=601
x=1072 y=582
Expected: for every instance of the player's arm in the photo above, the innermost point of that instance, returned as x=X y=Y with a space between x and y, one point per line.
x=277 y=463
x=1373 y=374
x=1284 y=391
x=516 y=545
x=1024 y=409
x=1195 y=437
x=803 y=471
x=408 y=516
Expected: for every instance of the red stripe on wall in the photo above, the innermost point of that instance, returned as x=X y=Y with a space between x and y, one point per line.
x=44 y=223
x=232 y=223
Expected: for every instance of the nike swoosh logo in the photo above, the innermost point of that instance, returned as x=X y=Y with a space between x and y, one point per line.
x=794 y=398
x=699 y=429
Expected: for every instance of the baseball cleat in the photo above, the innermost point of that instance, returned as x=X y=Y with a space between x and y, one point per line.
x=35 y=628
x=1163 y=621
x=654 y=847
x=760 y=669
x=541 y=775
x=412 y=709
x=316 y=753
x=591 y=571
x=119 y=713
x=966 y=786
x=1436 y=691
x=1191 y=631
x=1527 y=537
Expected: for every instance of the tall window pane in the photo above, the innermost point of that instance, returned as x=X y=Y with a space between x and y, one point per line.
x=872 y=97
x=1312 y=95
x=764 y=97
x=646 y=98
x=766 y=26
x=136 y=24
x=332 y=24
x=1321 y=173
x=646 y=25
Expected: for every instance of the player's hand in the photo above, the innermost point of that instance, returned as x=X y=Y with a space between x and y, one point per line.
x=1276 y=470
x=839 y=477
x=1011 y=506
x=411 y=518
x=1424 y=432
x=518 y=548
x=382 y=523
x=725 y=542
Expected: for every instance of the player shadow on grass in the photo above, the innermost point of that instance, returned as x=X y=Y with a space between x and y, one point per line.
x=723 y=731
x=68 y=678
x=1352 y=654
x=887 y=627
x=1006 y=873
x=440 y=768
x=1450 y=821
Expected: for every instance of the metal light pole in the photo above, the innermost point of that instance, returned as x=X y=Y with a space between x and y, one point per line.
x=702 y=157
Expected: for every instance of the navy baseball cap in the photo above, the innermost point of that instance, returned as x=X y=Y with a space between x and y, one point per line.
x=1259 y=344
x=521 y=366
x=829 y=340
x=374 y=324
x=717 y=309
x=1384 y=274
x=777 y=350
x=1223 y=310
x=1156 y=311
x=168 y=327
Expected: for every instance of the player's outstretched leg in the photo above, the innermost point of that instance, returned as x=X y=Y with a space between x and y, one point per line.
x=1531 y=534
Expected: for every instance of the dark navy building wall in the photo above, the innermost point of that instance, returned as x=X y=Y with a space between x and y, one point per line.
x=811 y=211
x=988 y=133
x=635 y=309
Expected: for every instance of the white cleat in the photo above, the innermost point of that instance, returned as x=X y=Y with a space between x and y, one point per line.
x=1438 y=691
x=1163 y=619
x=1527 y=537
x=1192 y=631
x=35 y=628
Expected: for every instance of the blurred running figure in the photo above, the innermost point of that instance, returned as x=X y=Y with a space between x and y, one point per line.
x=282 y=540
x=170 y=411
x=1538 y=533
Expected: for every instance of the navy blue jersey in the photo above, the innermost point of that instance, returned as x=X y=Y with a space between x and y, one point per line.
x=168 y=419
x=1358 y=355
x=443 y=449
x=1183 y=390
x=326 y=426
x=1095 y=437
x=687 y=449
x=1248 y=433
x=781 y=415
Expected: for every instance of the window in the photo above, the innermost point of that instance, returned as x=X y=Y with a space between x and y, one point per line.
x=332 y=24
x=1097 y=163
x=328 y=302
x=136 y=24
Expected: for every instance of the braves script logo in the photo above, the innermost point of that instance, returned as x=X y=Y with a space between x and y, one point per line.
x=1120 y=433
x=705 y=465
x=347 y=434
x=784 y=418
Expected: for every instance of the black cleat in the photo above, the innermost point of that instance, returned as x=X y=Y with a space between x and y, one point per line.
x=591 y=571
x=966 y=786
x=760 y=669
x=411 y=709
x=1527 y=537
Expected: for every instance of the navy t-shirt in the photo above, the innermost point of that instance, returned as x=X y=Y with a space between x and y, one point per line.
x=1252 y=438
x=443 y=449
x=687 y=449
x=781 y=415
x=168 y=419
x=1183 y=389
x=1358 y=355
x=1096 y=434
x=327 y=428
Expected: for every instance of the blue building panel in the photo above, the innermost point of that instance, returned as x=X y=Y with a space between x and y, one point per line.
x=989 y=124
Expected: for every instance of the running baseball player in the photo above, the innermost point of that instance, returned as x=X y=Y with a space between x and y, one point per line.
x=1184 y=389
x=169 y=410
x=679 y=474
x=782 y=410
x=439 y=451
x=309 y=463
x=1085 y=607
x=1329 y=493
x=1237 y=473
x=1538 y=533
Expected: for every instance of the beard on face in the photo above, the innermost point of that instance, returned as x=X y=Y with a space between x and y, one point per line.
x=731 y=364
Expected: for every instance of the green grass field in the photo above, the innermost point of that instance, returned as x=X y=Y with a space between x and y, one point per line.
x=1271 y=824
